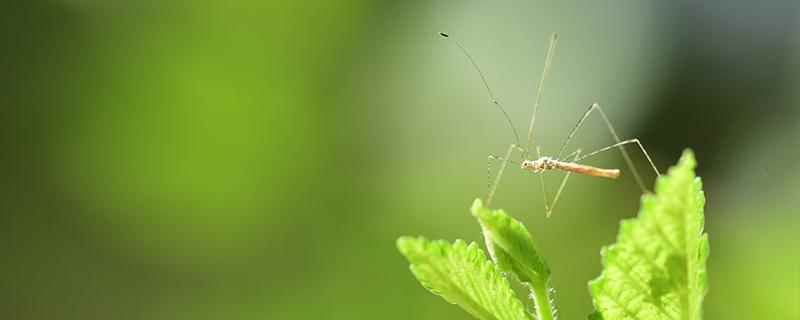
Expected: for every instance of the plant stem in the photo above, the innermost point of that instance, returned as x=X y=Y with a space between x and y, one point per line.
x=544 y=307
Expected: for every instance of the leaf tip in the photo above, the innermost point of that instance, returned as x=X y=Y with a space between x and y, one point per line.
x=402 y=242
x=407 y=245
x=687 y=159
x=660 y=253
x=477 y=206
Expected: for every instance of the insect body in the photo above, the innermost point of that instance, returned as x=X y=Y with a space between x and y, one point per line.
x=546 y=163
x=567 y=163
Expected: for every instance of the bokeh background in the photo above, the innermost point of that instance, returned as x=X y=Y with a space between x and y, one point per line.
x=257 y=160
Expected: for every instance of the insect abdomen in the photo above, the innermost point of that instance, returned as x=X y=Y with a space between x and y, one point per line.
x=588 y=170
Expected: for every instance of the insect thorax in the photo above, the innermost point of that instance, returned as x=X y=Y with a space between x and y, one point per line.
x=539 y=165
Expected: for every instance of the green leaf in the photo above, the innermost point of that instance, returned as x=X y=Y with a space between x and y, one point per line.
x=595 y=316
x=511 y=245
x=657 y=268
x=462 y=275
x=513 y=249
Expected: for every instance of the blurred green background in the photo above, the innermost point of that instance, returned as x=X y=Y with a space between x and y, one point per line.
x=257 y=160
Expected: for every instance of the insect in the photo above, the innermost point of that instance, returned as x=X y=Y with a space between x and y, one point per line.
x=569 y=163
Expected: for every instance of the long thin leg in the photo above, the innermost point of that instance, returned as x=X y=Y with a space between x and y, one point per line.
x=551 y=50
x=541 y=180
x=619 y=143
x=572 y=154
x=493 y=185
x=561 y=188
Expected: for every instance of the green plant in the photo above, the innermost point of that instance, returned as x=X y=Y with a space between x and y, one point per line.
x=656 y=270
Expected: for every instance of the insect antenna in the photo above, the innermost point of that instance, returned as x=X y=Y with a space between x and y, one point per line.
x=485 y=84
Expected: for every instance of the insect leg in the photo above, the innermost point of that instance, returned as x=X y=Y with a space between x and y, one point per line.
x=492 y=185
x=551 y=51
x=619 y=144
x=550 y=207
x=541 y=180
x=572 y=154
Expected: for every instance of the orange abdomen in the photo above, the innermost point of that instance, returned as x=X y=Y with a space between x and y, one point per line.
x=587 y=170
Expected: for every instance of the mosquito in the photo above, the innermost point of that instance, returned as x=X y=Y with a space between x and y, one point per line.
x=569 y=163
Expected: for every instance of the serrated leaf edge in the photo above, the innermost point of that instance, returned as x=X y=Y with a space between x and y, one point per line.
x=487 y=270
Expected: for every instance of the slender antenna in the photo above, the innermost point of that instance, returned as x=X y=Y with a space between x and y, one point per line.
x=551 y=50
x=486 y=85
